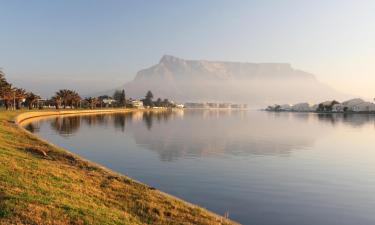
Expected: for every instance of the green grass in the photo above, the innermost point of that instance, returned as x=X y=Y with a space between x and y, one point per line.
x=61 y=188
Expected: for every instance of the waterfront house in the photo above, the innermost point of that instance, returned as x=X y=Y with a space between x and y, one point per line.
x=338 y=107
x=136 y=104
x=108 y=101
x=358 y=105
x=364 y=107
x=352 y=104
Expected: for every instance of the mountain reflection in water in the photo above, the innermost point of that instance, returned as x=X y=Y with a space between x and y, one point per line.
x=198 y=133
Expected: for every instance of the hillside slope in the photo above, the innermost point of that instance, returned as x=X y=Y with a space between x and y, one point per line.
x=254 y=83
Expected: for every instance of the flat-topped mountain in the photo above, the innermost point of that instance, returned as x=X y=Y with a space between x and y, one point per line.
x=174 y=68
x=202 y=80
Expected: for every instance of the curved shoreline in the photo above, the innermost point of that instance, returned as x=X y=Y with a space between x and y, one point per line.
x=23 y=117
x=28 y=117
x=202 y=216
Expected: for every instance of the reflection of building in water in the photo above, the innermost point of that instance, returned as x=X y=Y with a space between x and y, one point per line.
x=215 y=133
x=178 y=112
x=354 y=119
x=194 y=133
x=136 y=116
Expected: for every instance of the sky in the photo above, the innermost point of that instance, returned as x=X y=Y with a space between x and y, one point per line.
x=95 y=45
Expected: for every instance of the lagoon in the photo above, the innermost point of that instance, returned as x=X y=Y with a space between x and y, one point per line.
x=263 y=168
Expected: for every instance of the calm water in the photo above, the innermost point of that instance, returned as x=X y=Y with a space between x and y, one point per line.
x=263 y=168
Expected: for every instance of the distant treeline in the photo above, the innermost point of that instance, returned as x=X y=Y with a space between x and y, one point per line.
x=16 y=98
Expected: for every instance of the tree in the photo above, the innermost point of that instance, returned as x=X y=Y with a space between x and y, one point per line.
x=68 y=97
x=149 y=95
x=167 y=103
x=120 y=98
x=6 y=90
x=57 y=101
x=159 y=102
x=92 y=102
x=327 y=107
x=31 y=99
x=147 y=101
x=7 y=95
x=64 y=96
x=75 y=99
x=13 y=96
x=3 y=81
x=123 y=98
x=19 y=96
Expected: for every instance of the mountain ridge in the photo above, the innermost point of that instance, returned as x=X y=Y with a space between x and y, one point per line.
x=204 y=80
x=222 y=69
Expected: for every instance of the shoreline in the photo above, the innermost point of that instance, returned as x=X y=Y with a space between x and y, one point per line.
x=336 y=113
x=23 y=117
x=164 y=208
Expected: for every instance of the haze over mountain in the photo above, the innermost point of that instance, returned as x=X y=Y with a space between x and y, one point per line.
x=254 y=83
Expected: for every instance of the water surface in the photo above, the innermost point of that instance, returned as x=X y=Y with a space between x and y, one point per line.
x=263 y=168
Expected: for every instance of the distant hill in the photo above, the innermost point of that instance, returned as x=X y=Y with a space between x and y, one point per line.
x=254 y=83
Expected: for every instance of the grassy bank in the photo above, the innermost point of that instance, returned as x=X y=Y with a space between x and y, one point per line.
x=43 y=184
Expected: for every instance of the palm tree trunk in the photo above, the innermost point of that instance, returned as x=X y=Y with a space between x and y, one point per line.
x=18 y=104
x=6 y=103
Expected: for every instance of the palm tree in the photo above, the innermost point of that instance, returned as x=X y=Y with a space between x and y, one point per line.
x=57 y=101
x=19 y=96
x=5 y=90
x=68 y=97
x=65 y=96
x=7 y=95
x=75 y=99
x=92 y=102
x=31 y=99
x=3 y=81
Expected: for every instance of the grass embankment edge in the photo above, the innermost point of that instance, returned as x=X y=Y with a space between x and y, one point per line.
x=41 y=183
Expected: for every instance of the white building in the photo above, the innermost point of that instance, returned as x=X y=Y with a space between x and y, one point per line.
x=364 y=107
x=358 y=105
x=136 y=104
x=108 y=101
x=338 y=108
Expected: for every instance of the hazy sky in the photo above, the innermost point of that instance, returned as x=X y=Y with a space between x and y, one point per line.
x=97 y=45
